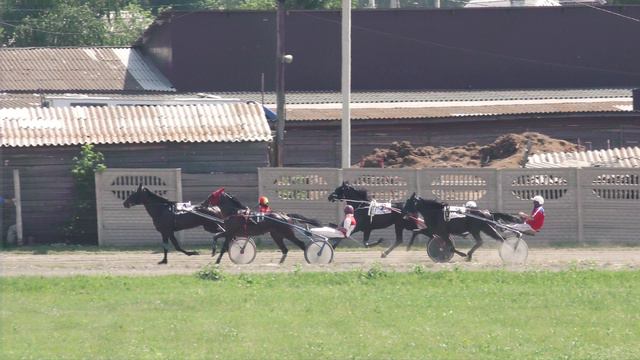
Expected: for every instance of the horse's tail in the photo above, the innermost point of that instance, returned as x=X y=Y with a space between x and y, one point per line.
x=304 y=219
x=505 y=217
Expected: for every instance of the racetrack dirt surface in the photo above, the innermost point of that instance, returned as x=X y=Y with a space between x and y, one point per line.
x=144 y=263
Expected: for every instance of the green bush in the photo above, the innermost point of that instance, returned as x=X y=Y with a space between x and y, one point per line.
x=211 y=272
x=82 y=227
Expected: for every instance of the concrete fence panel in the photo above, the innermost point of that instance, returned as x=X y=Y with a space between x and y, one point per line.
x=120 y=226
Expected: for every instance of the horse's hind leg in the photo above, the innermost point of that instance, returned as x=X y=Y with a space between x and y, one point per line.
x=292 y=237
x=277 y=238
x=479 y=242
x=487 y=229
x=176 y=244
x=453 y=248
x=396 y=243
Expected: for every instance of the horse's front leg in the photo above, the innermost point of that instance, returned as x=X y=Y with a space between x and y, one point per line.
x=367 y=233
x=176 y=244
x=398 y=241
x=415 y=234
x=215 y=242
x=165 y=247
x=225 y=247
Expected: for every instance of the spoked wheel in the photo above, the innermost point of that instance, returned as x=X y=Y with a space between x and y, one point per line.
x=440 y=250
x=514 y=251
x=242 y=251
x=318 y=252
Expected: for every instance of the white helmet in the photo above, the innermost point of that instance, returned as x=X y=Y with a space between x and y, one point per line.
x=539 y=199
x=471 y=204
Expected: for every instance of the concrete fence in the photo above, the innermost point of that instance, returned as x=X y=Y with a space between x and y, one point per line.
x=582 y=205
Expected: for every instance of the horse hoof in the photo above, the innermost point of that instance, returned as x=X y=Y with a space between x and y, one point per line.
x=162 y=262
x=468 y=258
x=383 y=255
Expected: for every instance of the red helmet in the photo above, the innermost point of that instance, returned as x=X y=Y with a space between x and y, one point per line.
x=263 y=200
x=348 y=209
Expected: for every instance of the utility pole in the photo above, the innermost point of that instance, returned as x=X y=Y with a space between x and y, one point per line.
x=280 y=83
x=346 y=84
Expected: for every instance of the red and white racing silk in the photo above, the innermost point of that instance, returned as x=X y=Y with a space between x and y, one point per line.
x=537 y=218
x=348 y=225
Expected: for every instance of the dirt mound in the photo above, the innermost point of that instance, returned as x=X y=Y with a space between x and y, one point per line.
x=506 y=152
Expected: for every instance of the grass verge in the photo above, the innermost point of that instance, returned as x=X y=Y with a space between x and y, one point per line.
x=355 y=315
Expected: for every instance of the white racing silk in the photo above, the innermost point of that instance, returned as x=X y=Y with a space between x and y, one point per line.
x=186 y=206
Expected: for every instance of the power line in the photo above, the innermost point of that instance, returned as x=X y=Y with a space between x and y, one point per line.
x=608 y=11
x=58 y=32
x=469 y=50
x=144 y=6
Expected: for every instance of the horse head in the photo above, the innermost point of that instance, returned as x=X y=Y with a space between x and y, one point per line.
x=214 y=198
x=136 y=197
x=411 y=205
x=339 y=192
x=228 y=204
x=346 y=191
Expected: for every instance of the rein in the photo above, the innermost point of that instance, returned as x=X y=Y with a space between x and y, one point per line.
x=372 y=204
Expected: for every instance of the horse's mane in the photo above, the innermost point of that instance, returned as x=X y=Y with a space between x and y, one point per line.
x=505 y=217
x=233 y=199
x=361 y=191
x=157 y=197
x=304 y=219
x=431 y=203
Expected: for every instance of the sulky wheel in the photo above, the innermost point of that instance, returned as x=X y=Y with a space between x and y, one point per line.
x=319 y=252
x=242 y=251
x=514 y=251
x=440 y=250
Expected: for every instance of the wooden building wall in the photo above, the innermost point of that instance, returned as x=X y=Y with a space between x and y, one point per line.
x=471 y=48
x=47 y=184
x=317 y=143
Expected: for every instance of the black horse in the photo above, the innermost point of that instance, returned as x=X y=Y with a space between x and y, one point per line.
x=167 y=220
x=433 y=212
x=240 y=221
x=359 y=199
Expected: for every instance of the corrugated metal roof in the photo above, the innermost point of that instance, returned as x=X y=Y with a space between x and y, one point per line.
x=366 y=97
x=8 y=100
x=443 y=108
x=15 y=100
x=457 y=109
x=133 y=124
x=79 y=69
x=618 y=157
x=391 y=96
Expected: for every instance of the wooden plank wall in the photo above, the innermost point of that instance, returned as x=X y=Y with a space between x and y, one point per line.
x=47 y=185
x=317 y=143
x=7 y=211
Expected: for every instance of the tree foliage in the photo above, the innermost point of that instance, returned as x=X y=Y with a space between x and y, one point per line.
x=73 y=22
x=81 y=228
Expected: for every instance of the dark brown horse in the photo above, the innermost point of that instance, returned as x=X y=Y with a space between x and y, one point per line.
x=167 y=219
x=240 y=221
x=433 y=212
x=359 y=199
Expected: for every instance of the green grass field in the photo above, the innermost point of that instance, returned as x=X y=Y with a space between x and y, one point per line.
x=357 y=315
